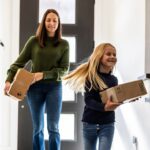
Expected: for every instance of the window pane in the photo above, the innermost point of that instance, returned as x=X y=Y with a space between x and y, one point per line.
x=68 y=94
x=65 y=8
x=67 y=127
x=72 y=45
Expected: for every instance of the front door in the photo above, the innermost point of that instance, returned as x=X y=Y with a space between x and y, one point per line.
x=77 y=18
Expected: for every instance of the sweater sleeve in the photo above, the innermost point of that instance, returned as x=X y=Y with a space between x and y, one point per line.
x=59 y=72
x=93 y=101
x=94 y=105
x=20 y=62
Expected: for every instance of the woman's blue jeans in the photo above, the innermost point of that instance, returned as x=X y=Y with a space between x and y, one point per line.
x=47 y=96
x=96 y=133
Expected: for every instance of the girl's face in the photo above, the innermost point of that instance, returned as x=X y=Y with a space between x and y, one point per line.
x=51 y=23
x=108 y=59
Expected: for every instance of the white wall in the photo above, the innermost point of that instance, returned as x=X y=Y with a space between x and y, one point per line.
x=147 y=36
x=122 y=23
x=9 y=34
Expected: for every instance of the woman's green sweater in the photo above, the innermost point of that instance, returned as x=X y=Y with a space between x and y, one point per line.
x=52 y=60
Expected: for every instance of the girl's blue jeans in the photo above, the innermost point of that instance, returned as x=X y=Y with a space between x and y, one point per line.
x=96 y=133
x=47 y=96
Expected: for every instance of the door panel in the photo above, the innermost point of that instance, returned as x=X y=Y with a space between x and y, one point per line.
x=81 y=29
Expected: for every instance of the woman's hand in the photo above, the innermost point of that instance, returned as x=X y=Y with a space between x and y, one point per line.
x=111 y=106
x=38 y=76
x=6 y=88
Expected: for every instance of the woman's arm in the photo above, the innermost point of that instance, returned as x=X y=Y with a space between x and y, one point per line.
x=20 y=62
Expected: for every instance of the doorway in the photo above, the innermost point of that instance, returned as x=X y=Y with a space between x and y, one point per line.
x=80 y=34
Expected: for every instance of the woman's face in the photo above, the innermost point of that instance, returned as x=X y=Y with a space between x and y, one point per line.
x=109 y=59
x=51 y=23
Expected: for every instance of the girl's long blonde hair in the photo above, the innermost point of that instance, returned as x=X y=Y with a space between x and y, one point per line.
x=88 y=71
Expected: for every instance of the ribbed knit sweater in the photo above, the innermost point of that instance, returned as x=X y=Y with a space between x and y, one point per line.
x=52 y=60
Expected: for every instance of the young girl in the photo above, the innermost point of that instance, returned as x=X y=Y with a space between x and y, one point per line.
x=91 y=78
x=49 y=54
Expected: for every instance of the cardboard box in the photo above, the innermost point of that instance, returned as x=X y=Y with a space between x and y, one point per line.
x=123 y=92
x=21 y=84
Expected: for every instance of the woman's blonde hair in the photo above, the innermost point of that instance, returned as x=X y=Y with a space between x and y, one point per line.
x=88 y=71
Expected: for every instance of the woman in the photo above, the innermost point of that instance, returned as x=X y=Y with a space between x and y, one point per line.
x=49 y=54
x=91 y=78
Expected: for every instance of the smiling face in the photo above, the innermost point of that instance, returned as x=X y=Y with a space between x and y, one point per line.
x=51 y=23
x=108 y=59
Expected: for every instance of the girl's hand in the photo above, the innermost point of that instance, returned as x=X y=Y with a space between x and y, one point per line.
x=111 y=106
x=38 y=76
x=6 y=88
